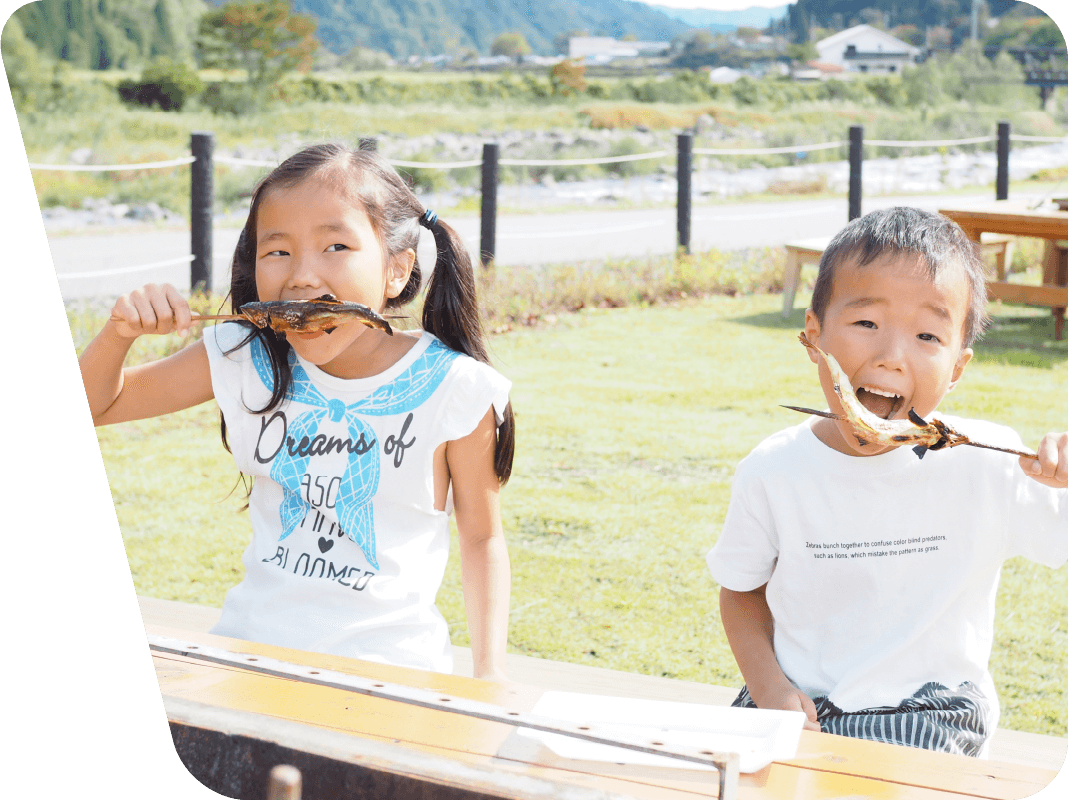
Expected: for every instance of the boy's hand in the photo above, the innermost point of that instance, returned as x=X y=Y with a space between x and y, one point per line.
x=788 y=698
x=1051 y=468
x=151 y=309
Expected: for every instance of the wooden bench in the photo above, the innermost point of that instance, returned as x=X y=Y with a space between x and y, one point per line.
x=996 y=247
x=1014 y=747
x=1053 y=293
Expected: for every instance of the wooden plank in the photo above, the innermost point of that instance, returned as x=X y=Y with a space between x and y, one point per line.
x=869 y=768
x=1015 y=747
x=1010 y=217
x=412 y=735
x=230 y=752
x=724 y=762
x=1045 y=295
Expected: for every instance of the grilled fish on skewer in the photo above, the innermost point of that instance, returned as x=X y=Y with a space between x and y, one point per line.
x=870 y=429
x=306 y=316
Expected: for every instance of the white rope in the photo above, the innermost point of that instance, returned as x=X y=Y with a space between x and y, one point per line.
x=245 y=162
x=933 y=143
x=574 y=162
x=435 y=165
x=1021 y=138
x=114 y=167
x=760 y=151
x=123 y=270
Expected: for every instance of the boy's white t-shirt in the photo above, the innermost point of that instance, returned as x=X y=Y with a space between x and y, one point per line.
x=882 y=571
x=348 y=551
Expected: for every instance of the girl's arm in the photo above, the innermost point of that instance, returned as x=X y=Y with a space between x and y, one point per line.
x=749 y=626
x=487 y=578
x=149 y=390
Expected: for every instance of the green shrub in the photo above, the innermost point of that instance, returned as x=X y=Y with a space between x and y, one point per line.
x=163 y=83
x=238 y=99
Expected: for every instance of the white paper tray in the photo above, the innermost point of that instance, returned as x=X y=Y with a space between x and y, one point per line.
x=758 y=736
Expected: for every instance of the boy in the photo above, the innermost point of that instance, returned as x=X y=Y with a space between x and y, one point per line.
x=858 y=581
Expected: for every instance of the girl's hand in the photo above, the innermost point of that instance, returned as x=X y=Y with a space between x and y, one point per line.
x=1051 y=469
x=151 y=309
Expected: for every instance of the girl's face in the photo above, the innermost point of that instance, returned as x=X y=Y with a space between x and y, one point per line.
x=312 y=240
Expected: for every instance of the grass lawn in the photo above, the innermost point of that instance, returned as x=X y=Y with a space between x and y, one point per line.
x=630 y=423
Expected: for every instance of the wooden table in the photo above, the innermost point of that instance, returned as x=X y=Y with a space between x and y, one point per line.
x=1014 y=218
x=231 y=726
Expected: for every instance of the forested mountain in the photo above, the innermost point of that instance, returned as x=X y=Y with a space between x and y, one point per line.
x=425 y=27
x=105 y=33
x=127 y=33
x=111 y=33
x=839 y=14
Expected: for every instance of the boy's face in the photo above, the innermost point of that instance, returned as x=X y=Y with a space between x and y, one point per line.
x=897 y=336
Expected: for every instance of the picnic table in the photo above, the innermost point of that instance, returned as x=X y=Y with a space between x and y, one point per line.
x=231 y=725
x=1015 y=218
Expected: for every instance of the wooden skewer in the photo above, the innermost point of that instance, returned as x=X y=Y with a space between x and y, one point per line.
x=829 y=415
x=207 y=317
x=1033 y=456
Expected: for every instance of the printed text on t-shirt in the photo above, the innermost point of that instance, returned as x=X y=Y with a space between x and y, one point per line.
x=878 y=549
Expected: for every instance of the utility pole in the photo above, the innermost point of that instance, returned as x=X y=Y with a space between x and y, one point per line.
x=975 y=20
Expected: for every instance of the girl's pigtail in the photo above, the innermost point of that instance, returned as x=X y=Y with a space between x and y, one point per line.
x=451 y=313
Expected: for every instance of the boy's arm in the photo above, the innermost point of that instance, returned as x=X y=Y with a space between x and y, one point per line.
x=1051 y=468
x=749 y=626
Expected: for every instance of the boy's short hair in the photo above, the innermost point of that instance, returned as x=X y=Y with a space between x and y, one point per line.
x=939 y=242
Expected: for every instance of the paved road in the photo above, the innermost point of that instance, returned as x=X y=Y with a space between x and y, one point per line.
x=107 y=264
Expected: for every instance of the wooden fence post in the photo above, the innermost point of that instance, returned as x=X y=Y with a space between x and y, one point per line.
x=856 y=161
x=490 y=180
x=1004 y=128
x=683 y=173
x=200 y=212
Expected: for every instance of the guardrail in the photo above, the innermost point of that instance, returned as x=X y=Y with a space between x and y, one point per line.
x=203 y=159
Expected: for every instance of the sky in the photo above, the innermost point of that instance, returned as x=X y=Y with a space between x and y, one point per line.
x=721 y=5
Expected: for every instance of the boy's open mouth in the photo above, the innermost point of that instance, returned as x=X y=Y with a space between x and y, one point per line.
x=881 y=404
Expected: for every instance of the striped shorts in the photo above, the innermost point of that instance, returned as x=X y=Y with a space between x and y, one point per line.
x=934 y=718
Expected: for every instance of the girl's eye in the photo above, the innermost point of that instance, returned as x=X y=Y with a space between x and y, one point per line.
x=275 y=253
x=865 y=323
x=335 y=248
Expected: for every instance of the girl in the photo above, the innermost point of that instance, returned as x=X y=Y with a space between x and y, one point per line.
x=360 y=444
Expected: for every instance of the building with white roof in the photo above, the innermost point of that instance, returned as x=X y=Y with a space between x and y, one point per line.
x=863 y=48
x=605 y=48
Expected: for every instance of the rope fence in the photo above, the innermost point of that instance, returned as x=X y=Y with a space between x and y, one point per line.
x=176 y=162
x=203 y=161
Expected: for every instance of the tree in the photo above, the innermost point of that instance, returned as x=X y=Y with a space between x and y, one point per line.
x=568 y=77
x=262 y=37
x=802 y=53
x=514 y=45
x=26 y=69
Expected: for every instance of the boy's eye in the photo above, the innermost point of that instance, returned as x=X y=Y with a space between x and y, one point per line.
x=928 y=337
x=865 y=323
x=334 y=248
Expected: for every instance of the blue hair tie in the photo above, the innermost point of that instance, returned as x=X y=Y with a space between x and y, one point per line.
x=428 y=220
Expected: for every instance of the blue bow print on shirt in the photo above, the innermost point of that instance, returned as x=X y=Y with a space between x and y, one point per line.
x=359 y=483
